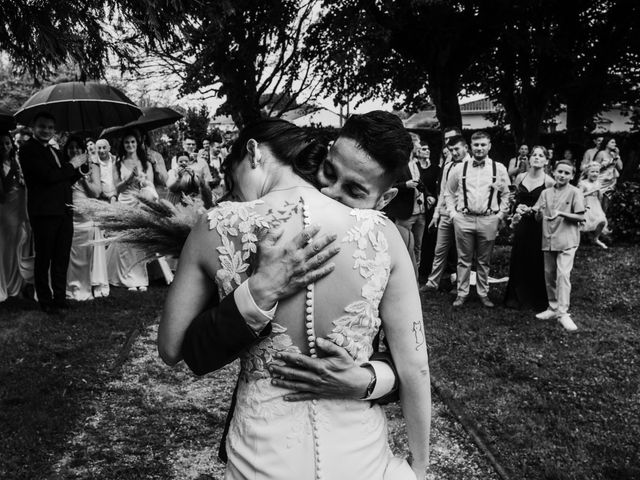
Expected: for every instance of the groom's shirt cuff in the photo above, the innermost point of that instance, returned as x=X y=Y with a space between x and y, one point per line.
x=385 y=379
x=253 y=315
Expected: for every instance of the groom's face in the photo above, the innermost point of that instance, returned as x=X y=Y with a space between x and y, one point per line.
x=350 y=176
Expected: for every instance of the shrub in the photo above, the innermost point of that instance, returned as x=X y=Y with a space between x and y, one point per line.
x=624 y=211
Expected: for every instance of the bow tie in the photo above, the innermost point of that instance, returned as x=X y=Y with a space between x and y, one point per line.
x=478 y=163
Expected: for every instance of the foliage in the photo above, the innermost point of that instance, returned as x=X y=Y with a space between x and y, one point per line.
x=246 y=52
x=416 y=50
x=624 y=211
x=42 y=36
x=196 y=122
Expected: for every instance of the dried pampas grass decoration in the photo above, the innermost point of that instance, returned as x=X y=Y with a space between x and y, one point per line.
x=158 y=228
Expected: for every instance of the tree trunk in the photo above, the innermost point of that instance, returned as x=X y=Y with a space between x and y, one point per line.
x=444 y=93
x=579 y=116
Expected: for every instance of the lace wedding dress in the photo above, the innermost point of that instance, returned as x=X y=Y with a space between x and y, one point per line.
x=270 y=438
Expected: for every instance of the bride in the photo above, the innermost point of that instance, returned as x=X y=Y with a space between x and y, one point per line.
x=271 y=170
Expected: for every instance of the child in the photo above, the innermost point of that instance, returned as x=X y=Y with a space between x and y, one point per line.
x=595 y=219
x=561 y=208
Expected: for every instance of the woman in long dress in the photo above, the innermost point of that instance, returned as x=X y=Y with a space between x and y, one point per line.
x=79 y=284
x=373 y=283
x=526 y=287
x=14 y=227
x=133 y=176
x=610 y=166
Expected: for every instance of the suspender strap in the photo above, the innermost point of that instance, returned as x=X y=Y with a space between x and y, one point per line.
x=493 y=182
x=464 y=186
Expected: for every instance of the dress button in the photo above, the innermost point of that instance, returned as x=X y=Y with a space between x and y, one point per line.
x=309 y=303
x=312 y=344
x=310 y=331
x=312 y=351
x=309 y=309
x=314 y=402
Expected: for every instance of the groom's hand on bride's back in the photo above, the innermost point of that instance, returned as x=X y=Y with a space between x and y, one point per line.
x=284 y=268
x=335 y=375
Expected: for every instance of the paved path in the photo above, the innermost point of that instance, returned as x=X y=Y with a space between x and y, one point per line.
x=151 y=421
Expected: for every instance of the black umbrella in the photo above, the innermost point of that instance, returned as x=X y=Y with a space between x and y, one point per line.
x=152 y=118
x=7 y=122
x=80 y=107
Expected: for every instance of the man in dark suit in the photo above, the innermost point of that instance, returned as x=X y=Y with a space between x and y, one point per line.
x=49 y=178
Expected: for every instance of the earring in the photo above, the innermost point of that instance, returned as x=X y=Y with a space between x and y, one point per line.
x=253 y=162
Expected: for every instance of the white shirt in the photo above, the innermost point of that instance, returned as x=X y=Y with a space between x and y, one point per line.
x=106 y=177
x=418 y=196
x=441 y=206
x=479 y=181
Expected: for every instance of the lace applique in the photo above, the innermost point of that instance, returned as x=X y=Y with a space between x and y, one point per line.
x=231 y=219
x=355 y=330
x=259 y=356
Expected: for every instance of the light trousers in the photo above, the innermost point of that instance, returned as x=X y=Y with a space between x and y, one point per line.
x=475 y=235
x=557 y=276
x=445 y=240
x=416 y=225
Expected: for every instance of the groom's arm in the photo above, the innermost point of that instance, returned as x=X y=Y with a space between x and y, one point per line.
x=221 y=332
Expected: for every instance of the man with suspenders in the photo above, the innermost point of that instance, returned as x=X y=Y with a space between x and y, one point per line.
x=477 y=199
x=446 y=236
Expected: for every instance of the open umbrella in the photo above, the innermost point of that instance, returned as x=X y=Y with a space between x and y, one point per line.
x=152 y=118
x=7 y=122
x=80 y=107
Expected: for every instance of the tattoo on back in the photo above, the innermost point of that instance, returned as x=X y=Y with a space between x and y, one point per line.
x=419 y=334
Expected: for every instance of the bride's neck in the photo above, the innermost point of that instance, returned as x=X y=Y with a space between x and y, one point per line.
x=284 y=179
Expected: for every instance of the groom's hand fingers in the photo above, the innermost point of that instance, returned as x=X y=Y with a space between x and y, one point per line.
x=281 y=372
x=318 y=246
x=300 y=396
x=302 y=239
x=296 y=386
x=299 y=361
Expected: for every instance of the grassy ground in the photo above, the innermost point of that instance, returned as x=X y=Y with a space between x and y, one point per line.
x=553 y=405
x=75 y=409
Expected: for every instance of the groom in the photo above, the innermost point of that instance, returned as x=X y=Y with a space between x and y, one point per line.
x=356 y=174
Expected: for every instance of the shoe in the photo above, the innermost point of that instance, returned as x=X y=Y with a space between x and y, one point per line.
x=454 y=291
x=601 y=244
x=427 y=287
x=567 y=323
x=133 y=289
x=459 y=301
x=548 y=314
x=486 y=302
x=142 y=289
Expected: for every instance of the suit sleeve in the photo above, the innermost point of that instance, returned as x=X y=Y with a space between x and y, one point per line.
x=217 y=336
x=36 y=167
x=393 y=395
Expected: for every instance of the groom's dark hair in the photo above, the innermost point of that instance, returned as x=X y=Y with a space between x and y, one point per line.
x=383 y=137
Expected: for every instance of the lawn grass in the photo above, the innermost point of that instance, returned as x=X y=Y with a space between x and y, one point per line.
x=553 y=405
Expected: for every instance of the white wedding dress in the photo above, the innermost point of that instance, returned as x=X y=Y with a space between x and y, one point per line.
x=270 y=438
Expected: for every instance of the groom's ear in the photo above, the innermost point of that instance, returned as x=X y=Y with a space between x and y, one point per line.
x=386 y=197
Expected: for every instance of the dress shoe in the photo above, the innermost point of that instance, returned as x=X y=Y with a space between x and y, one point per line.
x=548 y=314
x=459 y=301
x=486 y=302
x=567 y=323
x=427 y=287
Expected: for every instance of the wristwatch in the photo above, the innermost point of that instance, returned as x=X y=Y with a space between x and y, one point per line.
x=372 y=383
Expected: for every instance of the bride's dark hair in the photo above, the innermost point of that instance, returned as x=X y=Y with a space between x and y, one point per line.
x=290 y=144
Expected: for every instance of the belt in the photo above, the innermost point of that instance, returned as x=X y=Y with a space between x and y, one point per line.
x=486 y=213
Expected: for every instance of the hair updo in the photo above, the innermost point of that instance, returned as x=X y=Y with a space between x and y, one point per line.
x=288 y=143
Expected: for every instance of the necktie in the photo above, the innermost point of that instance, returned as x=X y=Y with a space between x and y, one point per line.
x=53 y=152
x=478 y=163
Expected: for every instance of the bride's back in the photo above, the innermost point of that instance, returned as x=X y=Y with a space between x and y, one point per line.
x=344 y=305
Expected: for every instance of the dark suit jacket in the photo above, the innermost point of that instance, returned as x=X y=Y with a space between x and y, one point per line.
x=401 y=207
x=48 y=185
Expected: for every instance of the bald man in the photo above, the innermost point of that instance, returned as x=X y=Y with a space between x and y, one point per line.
x=106 y=161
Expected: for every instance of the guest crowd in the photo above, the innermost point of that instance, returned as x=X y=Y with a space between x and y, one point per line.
x=456 y=206
x=449 y=207
x=48 y=247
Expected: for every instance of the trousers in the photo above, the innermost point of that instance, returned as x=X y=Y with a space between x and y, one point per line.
x=557 y=276
x=475 y=235
x=445 y=240
x=415 y=224
x=52 y=236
